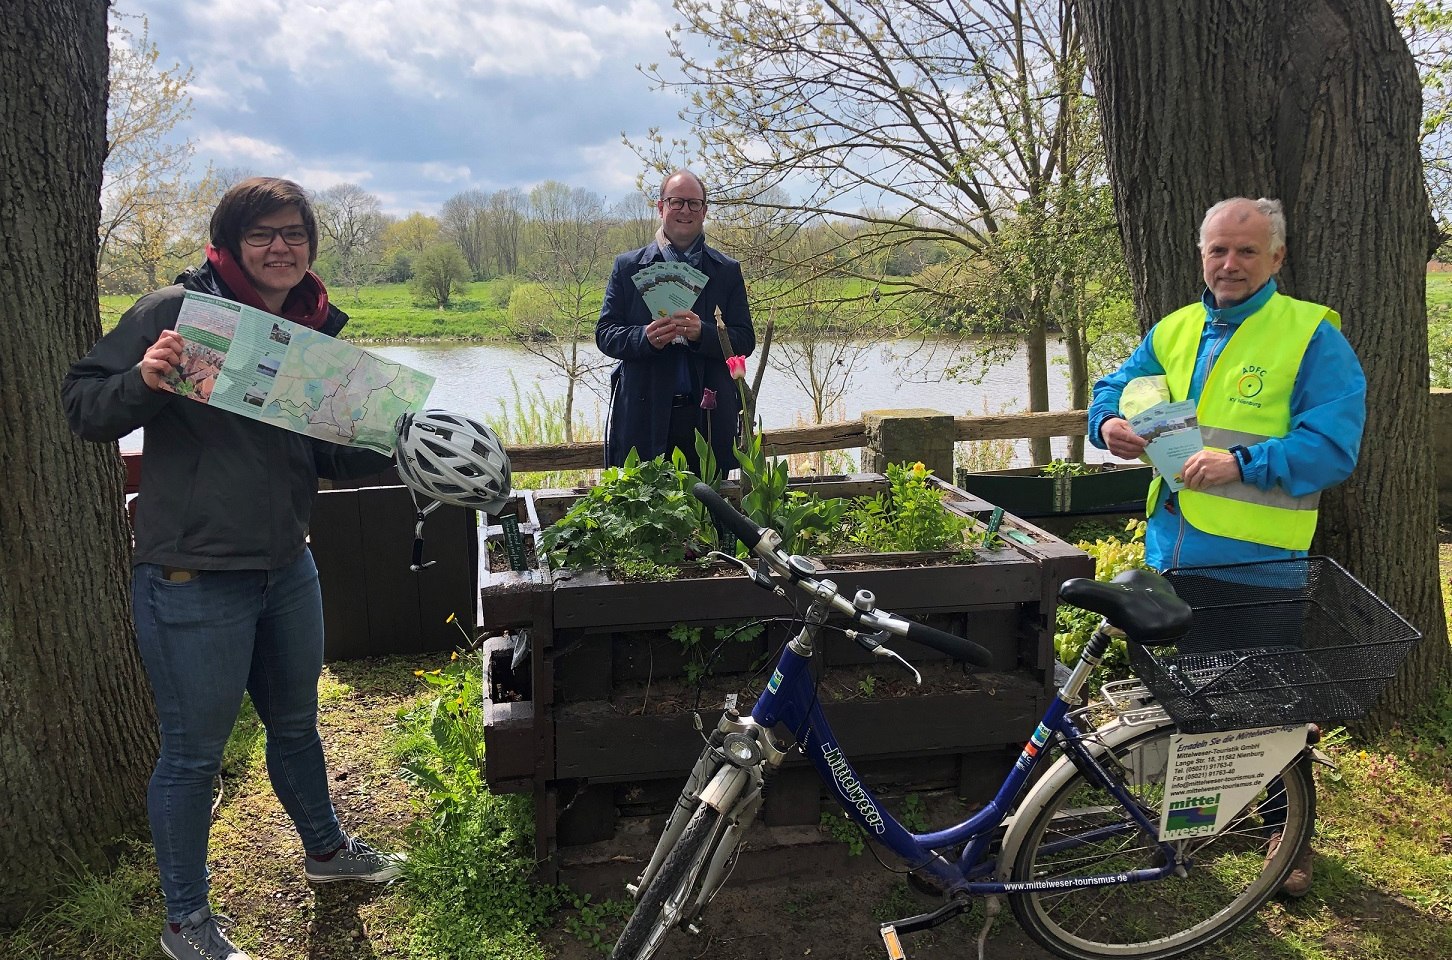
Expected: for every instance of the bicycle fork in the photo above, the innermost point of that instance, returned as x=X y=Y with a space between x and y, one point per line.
x=730 y=777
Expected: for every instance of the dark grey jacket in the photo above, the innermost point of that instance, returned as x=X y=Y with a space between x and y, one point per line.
x=218 y=491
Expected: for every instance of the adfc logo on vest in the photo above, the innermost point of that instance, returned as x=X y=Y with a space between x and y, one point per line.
x=1249 y=386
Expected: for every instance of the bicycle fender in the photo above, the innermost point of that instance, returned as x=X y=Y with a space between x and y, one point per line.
x=725 y=787
x=1016 y=825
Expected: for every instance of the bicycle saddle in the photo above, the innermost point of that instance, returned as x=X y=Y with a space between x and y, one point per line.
x=1139 y=602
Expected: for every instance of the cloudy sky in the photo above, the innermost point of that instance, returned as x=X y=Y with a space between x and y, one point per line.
x=419 y=101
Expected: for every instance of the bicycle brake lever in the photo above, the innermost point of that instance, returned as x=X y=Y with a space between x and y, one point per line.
x=872 y=642
x=737 y=561
x=885 y=652
x=759 y=575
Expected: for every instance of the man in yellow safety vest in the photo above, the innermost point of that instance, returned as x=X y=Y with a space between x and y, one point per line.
x=1280 y=399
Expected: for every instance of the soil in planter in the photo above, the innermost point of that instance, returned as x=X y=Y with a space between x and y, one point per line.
x=880 y=681
x=498 y=555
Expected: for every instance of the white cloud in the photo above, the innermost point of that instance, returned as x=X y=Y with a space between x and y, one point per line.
x=417 y=102
x=444 y=172
x=422 y=47
x=610 y=168
x=239 y=150
x=316 y=179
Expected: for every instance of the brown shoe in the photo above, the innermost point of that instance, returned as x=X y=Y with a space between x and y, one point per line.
x=1298 y=881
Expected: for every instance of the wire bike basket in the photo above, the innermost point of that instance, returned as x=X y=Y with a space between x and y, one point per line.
x=1274 y=642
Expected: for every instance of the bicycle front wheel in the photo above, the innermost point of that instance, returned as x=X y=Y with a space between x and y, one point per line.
x=1083 y=831
x=662 y=904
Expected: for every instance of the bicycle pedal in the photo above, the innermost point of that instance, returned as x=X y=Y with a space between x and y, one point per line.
x=892 y=932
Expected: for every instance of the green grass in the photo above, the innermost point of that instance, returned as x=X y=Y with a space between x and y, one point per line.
x=389 y=311
x=1439 y=290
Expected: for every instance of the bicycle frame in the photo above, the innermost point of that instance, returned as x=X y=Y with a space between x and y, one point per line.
x=790 y=699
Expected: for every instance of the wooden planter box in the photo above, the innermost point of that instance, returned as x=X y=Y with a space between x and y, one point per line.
x=598 y=726
x=1026 y=492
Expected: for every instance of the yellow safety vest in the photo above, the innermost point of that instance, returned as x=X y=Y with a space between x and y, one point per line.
x=1246 y=399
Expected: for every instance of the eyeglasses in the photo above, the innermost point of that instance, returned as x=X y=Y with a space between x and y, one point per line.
x=262 y=236
x=692 y=204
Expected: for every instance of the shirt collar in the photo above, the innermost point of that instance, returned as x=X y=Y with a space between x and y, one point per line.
x=1235 y=314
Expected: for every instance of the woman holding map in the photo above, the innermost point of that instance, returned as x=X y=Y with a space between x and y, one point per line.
x=224 y=589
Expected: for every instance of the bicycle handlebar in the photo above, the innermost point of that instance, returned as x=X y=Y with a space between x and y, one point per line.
x=763 y=541
x=734 y=520
x=953 y=645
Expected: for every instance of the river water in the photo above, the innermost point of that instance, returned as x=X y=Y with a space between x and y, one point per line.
x=476 y=379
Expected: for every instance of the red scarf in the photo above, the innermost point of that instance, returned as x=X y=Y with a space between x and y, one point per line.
x=306 y=303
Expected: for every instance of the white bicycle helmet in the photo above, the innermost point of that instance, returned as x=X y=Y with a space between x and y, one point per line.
x=451 y=458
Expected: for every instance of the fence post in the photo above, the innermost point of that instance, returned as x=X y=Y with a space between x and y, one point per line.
x=895 y=436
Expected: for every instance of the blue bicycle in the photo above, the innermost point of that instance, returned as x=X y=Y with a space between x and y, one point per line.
x=1077 y=851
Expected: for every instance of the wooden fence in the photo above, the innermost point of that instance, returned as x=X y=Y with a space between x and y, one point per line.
x=843 y=435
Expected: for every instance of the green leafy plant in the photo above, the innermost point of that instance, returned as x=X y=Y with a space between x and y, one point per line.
x=806 y=522
x=448 y=759
x=699 y=653
x=592 y=923
x=1065 y=468
x=914 y=813
x=909 y=517
x=867 y=686
x=1073 y=626
x=637 y=521
x=839 y=827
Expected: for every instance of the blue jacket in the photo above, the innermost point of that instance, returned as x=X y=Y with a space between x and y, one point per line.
x=1328 y=414
x=644 y=381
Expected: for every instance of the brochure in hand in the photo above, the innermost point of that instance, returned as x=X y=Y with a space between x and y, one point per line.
x=668 y=286
x=1171 y=427
x=251 y=363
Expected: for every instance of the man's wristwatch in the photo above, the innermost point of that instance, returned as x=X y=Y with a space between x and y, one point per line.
x=1242 y=455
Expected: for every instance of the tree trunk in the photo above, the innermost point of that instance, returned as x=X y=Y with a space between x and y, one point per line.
x=77 y=734
x=1316 y=102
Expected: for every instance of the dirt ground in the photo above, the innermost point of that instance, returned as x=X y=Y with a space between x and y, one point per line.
x=256 y=860
x=828 y=917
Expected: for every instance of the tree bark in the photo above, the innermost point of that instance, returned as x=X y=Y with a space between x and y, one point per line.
x=77 y=734
x=1316 y=102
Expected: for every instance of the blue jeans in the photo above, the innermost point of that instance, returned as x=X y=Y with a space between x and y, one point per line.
x=204 y=641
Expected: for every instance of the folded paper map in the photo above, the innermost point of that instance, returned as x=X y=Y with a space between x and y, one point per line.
x=249 y=362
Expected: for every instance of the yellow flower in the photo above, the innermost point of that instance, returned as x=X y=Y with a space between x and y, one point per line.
x=437 y=672
x=919 y=469
x=451 y=619
x=418 y=673
x=454 y=655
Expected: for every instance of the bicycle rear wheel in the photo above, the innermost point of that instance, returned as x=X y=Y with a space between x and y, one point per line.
x=1083 y=831
x=662 y=904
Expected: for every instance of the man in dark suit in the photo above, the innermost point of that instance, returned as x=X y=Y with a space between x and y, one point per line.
x=667 y=364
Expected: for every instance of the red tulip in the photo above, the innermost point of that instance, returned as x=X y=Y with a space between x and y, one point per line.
x=737 y=366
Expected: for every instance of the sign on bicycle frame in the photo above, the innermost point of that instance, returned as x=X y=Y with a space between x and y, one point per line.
x=1211 y=777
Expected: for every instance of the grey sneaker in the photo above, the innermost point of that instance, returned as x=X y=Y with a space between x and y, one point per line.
x=200 y=937
x=356 y=861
